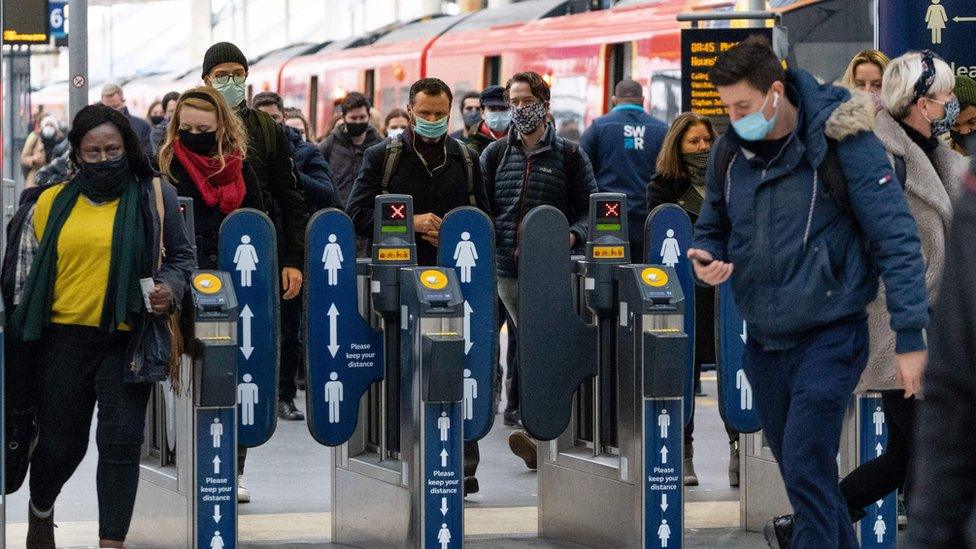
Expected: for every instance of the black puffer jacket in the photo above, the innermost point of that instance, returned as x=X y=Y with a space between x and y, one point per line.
x=345 y=158
x=517 y=182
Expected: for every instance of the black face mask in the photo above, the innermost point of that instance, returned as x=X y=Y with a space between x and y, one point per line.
x=356 y=129
x=156 y=120
x=966 y=142
x=102 y=181
x=199 y=143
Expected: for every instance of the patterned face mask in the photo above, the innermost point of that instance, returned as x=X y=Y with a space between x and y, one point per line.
x=526 y=119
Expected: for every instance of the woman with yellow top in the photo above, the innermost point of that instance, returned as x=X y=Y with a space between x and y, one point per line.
x=96 y=241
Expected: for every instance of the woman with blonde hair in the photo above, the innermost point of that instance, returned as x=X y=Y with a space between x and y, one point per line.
x=865 y=72
x=204 y=157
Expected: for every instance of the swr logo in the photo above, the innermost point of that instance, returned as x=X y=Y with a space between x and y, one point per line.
x=634 y=137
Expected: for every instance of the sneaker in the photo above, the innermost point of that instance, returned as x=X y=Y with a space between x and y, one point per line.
x=512 y=418
x=471 y=486
x=243 y=495
x=524 y=446
x=40 y=531
x=779 y=531
x=288 y=411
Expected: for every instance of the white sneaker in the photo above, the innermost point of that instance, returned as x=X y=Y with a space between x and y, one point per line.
x=243 y=496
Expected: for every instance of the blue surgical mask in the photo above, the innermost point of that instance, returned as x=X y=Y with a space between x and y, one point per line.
x=755 y=127
x=233 y=92
x=430 y=130
x=498 y=120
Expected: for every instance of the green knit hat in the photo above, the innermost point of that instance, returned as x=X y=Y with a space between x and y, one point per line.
x=966 y=91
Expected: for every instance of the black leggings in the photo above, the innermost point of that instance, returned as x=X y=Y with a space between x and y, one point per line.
x=80 y=366
x=886 y=473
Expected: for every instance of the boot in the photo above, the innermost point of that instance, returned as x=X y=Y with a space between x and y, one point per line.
x=779 y=532
x=734 y=463
x=691 y=479
x=40 y=530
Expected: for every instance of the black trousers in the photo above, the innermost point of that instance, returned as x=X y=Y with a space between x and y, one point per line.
x=886 y=473
x=292 y=351
x=80 y=366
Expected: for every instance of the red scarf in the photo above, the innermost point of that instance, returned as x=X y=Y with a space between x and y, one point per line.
x=224 y=187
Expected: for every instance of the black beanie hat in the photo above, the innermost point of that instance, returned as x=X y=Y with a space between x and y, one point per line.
x=222 y=52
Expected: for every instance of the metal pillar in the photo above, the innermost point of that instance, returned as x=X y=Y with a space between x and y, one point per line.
x=78 y=58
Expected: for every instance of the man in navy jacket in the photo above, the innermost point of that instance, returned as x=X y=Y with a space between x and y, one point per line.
x=623 y=146
x=804 y=270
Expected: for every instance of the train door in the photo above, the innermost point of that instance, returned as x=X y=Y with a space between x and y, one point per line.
x=618 y=65
x=313 y=105
x=369 y=85
x=492 y=71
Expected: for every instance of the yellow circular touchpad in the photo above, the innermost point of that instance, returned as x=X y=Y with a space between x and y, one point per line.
x=207 y=283
x=435 y=280
x=652 y=276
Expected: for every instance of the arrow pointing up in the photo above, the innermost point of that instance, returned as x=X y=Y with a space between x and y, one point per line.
x=246 y=316
x=216 y=462
x=878 y=449
x=467 y=326
x=444 y=506
x=880 y=503
x=664 y=454
x=333 y=330
x=745 y=334
x=217 y=514
x=664 y=503
x=444 y=458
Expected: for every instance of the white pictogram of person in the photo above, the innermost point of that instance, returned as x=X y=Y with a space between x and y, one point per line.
x=465 y=256
x=443 y=425
x=247 y=398
x=664 y=533
x=333 y=396
x=936 y=19
x=745 y=390
x=332 y=260
x=470 y=393
x=444 y=536
x=664 y=421
x=216 y=431
x=246 y=261
x=878 y=419
x=217 y=542
x=670 y=251
x=880 y=529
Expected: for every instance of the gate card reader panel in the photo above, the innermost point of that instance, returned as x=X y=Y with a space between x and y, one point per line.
x=393 y=236
x=608 y=234
x=215 y=325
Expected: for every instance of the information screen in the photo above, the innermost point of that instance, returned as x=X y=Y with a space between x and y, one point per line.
x=608 y=216
x=394 y=217
x=25 y=21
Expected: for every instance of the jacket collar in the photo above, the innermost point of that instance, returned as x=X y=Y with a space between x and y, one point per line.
x=544 y=144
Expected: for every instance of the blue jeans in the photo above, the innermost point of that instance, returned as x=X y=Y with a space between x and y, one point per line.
x=801 y=395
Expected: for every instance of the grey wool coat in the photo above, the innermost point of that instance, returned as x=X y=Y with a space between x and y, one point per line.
x=930 y=188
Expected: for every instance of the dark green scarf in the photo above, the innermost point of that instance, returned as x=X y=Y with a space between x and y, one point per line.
x=129 y=256
x=695 y=164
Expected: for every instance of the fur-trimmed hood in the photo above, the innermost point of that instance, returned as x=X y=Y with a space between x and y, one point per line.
x=854 y=115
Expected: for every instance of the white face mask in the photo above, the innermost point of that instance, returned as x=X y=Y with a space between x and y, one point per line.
x=395 y=132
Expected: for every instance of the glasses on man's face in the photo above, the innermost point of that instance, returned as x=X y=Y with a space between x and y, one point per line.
x=237 y=77
x=101 y=155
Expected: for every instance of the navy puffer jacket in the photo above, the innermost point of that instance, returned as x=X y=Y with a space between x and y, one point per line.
x=556 y=173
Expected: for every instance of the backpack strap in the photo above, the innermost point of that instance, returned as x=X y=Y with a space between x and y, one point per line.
x=468 y=172
x=901 y=172
x=157 y=186
x=832 y=174
x=391 y=156
x=268 y=133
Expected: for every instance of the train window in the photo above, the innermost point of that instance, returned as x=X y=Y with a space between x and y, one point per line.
x=369 y=85
x=569 y=105
x=666 y=95
x=618 y=67
x=313 y=105
x=493 y=70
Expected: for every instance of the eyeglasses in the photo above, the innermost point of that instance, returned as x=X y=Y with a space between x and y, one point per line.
x=100 y=155
x=238 y=77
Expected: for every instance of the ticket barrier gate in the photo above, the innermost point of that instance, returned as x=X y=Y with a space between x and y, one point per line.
x=187 y=496
x=617 y=438
x=394 y=402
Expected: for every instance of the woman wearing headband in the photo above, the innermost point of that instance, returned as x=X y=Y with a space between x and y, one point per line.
x=204 y=158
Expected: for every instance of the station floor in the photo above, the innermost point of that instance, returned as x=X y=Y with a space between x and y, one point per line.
x=290 y=495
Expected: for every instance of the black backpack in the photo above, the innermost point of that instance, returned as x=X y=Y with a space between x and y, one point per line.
x=831 y=172
x=391 y=158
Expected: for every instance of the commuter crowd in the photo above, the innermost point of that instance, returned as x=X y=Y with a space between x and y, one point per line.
x=837 y=213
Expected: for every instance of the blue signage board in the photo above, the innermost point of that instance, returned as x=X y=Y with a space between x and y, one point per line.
x=344 y=353
x=58 y=18
x=663 y=476
x=735 y=401
x=879 y=528
x=443 y=482
x=216 y=479
x=668 y=233
x=946 y=27
x=468 y=246
x=248 y=251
